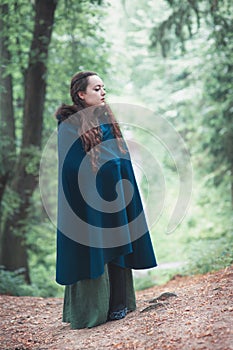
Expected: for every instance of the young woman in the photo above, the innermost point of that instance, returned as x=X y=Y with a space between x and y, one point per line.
x=102 y=232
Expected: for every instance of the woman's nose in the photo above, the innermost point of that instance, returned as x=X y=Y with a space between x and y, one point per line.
x=103 y=92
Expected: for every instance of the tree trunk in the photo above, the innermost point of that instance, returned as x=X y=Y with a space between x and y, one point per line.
x=14 y=248
x=230 y=159
x=7 y=124
x=232 y=186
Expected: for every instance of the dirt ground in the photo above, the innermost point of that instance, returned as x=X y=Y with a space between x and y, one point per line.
x=199 y=317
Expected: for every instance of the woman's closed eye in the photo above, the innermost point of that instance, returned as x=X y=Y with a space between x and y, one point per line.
x=98 y=88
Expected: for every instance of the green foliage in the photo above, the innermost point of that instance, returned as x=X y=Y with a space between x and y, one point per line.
x=209 y=255
x=182 y=23
x=43 y=279
x=31 y=158
x=12 y=283
x=9 y=204
x=217 y=75
x=143 y=282
x=78 y=43
x=209 y=229
x=18 y=25
x=41 y=242
x=191 y=87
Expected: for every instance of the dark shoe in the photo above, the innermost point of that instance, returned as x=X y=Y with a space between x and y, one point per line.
x=117 y=315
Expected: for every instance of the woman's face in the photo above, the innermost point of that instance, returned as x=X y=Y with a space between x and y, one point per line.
x=95 y=92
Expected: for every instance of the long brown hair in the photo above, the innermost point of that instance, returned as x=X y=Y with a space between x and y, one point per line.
x=90 y=134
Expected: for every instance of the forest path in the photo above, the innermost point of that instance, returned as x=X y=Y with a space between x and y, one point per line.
x=198 y=318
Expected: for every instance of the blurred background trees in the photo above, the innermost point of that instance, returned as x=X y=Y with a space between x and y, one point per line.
x=174 y=57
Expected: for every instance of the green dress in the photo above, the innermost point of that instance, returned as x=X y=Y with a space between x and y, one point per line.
x=86 y=303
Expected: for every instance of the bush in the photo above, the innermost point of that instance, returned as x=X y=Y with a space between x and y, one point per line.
x=210 y=255
x=13 y=283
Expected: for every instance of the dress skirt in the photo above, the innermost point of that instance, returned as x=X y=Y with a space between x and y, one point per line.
x=86 y=303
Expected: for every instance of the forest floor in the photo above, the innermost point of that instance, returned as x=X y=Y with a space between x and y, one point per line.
x=199 y=317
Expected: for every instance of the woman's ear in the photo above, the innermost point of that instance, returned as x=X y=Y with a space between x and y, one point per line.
x=81 y=95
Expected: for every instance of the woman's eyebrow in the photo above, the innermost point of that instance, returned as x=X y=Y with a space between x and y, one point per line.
x=101 y=85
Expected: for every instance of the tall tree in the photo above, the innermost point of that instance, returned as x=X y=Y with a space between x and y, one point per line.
x=24 y=181
x=29 y=77
x=7 y=130
x=185 y=19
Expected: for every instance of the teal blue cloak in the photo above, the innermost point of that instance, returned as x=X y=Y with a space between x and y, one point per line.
x=100 y=214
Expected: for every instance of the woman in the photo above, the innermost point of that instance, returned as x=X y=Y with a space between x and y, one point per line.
x=102 y=232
